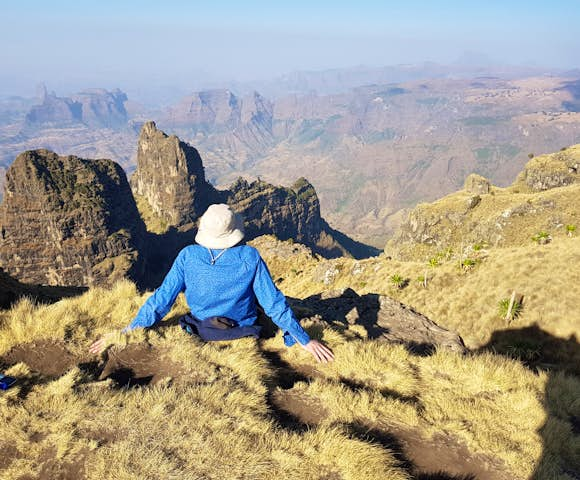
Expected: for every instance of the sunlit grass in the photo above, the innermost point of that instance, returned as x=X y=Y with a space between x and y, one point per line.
x=212 y=417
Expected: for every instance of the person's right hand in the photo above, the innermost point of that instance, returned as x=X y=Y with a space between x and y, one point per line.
x=319 y=351
x=99 y=345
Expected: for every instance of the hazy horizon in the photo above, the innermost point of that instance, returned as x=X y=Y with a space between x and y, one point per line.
x=182 y=46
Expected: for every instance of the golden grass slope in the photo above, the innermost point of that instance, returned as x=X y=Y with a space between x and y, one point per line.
x=504 y=217
x=213 y=418
x=211 y=421
x=460 y=298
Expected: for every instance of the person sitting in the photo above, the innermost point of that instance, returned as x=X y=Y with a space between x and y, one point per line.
x=223 y=282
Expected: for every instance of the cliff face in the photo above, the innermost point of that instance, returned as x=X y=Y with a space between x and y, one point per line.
x=102 y=109
x=284 y=212
x=53 y=112
x=67 y=221
x=171 y=177
x=241 y=125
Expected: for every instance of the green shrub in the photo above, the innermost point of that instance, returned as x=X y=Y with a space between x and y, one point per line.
x=398 y=281
x=541 y=238
x=468 y=263
x=422 y=280
x=503 y=306
x=433 y=262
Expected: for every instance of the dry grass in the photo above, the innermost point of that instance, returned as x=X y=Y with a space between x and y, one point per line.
x=212 y=418
x=462 y=300
x=216 y=411
x=213 y=421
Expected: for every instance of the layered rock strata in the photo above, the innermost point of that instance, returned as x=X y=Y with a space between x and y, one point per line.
x=68 y=221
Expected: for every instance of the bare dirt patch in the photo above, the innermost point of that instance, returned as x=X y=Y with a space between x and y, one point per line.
x=52 y=468
x=9 y=454
x=442 y=457
x=130 y=366
x=49 y=358
x=139 y=365
x=307 y=410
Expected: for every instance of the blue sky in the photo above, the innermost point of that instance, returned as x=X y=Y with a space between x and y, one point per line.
x=78 y=44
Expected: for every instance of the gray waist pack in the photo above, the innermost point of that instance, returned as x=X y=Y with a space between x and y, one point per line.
x=217 y=328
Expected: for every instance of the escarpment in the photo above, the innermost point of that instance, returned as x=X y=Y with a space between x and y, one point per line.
x=68 y=221
x=544 y=198
x=170 y=176
x=74 y=222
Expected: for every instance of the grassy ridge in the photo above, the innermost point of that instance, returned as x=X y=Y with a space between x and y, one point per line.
x=210 y=415
x=464 y=299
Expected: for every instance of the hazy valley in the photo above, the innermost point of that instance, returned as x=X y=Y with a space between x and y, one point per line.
x=369 y=152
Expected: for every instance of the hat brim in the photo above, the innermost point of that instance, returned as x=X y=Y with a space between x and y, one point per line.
x=223 y=241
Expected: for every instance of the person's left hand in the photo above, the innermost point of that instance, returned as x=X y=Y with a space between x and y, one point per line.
x=99 y=345
x=319 y=351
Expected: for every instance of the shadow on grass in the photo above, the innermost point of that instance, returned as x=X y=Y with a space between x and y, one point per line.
x=400 y=450
x=541 y=351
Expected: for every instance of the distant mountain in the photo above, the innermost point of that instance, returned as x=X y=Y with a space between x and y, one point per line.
x=369 y=151
x=380 y=148
x=93 y=123
x=341 y=80
x=96 y=108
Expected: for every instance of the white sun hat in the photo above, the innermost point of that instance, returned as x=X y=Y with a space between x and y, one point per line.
x=220 y=227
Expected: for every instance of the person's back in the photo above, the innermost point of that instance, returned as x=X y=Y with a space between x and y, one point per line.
x=222 y=279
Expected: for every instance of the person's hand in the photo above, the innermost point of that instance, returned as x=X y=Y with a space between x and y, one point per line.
x=98 y=346
x=319 y=351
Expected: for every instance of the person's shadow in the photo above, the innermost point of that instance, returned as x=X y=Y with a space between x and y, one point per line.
x=560 y=358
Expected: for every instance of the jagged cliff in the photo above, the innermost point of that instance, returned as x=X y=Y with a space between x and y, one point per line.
x=243 y=125
x=170 y=176
x=68 y=221
x=287 y=213
x=544 y=198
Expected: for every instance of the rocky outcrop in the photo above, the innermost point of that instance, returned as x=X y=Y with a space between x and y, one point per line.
x=382 y=317
x=95 y=108
x=171 y=177
x=477 y=184
x=504 y=216
x=68 y=221
x=551 y=171
x=284 y=212
x=291 y=213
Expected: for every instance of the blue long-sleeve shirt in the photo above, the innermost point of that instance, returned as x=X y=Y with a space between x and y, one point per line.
x=231 y=287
